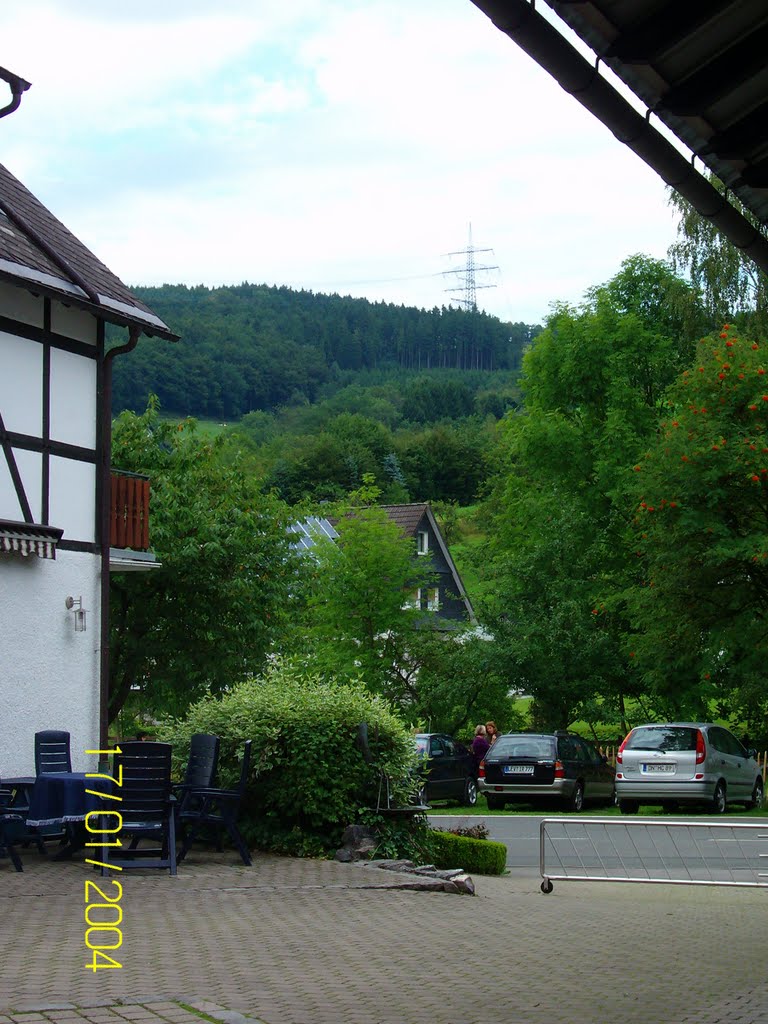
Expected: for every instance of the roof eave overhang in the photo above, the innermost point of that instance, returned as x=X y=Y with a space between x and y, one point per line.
x=108 y=309
x=525 y=26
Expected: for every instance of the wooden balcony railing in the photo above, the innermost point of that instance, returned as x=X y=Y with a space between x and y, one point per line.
x=129 y=511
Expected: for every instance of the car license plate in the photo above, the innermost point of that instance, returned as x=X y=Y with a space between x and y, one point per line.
x=518 y=769
x=658 y=768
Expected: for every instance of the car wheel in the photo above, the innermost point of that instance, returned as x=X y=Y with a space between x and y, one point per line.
x=629 y=806
x=495 y=803
x=719 y=799
x=757 y=796
x=575 y=802
x=470 y=793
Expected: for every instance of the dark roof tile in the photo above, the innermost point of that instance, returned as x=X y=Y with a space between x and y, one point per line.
x=407 y=517
x=24 y=259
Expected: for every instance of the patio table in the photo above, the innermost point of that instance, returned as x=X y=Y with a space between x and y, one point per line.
x=21 y=787
x=60 y=799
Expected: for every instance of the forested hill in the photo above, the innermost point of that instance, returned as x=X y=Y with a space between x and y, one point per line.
x=252 y=347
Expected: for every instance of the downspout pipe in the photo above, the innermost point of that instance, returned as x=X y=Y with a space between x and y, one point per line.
x=519 y=20
x=105 y=509
x=18 y=88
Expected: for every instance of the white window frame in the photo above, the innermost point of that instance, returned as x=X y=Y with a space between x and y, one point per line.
x=422 y=542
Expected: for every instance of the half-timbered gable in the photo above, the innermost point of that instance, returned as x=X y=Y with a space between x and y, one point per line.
x=55 y=299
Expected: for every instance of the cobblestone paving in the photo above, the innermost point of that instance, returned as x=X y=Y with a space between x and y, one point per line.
x=127 y=1012
x=315 y=942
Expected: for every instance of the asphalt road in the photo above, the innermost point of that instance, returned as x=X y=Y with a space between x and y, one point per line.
x=667 y=848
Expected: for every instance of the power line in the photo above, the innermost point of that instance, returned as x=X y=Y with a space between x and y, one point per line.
x=376 y=280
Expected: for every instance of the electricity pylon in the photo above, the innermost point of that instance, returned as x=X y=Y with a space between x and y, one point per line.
x=467 y=273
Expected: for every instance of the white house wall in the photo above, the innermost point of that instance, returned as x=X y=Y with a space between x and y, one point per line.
x=73 y=323
x=73 y=399
x=19 y=304
x=72 y=505
x=69 y=405
x=30 y=466
x=50 y=673
x=21 y=391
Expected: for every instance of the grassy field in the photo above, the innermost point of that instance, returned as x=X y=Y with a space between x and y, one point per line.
x=206 y=428
x=467 y=548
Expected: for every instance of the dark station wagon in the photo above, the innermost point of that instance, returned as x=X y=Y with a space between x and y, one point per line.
x=447 y=769
x=525 y=767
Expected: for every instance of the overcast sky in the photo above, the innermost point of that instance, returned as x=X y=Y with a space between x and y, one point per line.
x=336 y=145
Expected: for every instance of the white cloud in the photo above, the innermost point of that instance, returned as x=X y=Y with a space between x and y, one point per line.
x=319 y=146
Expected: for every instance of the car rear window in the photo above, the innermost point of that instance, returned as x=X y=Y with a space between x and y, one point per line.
x=661 y=737
x=421 y=744
x=523 y=746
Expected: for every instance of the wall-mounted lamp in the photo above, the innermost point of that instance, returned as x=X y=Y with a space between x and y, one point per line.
x=76 y=604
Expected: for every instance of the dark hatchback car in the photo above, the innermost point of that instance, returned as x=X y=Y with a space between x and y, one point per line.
x=525 y=767
x=447 y=769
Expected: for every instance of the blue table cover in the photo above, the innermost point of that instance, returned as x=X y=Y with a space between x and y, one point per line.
x=61 y=797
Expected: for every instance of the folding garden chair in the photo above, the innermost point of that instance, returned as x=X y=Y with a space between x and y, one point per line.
x=11 y=829
x=147 y=806
x=200 y=772
x=215 y=811
x=52 y=752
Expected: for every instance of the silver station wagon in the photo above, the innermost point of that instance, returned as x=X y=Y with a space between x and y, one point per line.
x=686 y=762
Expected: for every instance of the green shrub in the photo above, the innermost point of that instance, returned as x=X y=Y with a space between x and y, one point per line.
x=309 y=778
x=476 y=856
x=407 y=838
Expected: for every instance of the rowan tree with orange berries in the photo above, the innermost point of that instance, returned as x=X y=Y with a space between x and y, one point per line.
x=699 y=600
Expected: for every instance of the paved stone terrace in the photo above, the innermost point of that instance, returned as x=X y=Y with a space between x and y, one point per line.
x=315 y=942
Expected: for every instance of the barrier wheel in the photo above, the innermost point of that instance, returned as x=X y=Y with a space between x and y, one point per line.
x=546 y=886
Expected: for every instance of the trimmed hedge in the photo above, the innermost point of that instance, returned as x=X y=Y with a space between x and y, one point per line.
x=476 y=856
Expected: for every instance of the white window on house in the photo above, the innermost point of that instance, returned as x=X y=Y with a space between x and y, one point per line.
x=433 y=599
x=413 y=600
x=422 y=542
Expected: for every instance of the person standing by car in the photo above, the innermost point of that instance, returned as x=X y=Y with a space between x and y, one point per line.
x=491 y=733
x=480 y=746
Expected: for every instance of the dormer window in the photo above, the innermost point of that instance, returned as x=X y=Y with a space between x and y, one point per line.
x=422 y=542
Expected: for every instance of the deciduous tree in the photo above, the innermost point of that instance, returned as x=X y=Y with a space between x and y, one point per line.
x=209 y=614
x=594 y=384
x=699 y=602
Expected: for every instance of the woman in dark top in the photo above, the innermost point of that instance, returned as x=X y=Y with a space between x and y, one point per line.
x=480 y=746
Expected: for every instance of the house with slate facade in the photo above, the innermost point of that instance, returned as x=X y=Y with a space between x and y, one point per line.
x=65 y=518
x=445 y=596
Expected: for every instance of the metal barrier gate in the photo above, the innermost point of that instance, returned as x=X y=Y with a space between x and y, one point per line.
x=652 y=850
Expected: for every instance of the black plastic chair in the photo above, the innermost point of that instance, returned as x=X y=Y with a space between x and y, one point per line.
x=215 y=811
x=52 y=756
x=52 y=752
x=200 y=772
x=11 y=829
x=146 y=805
